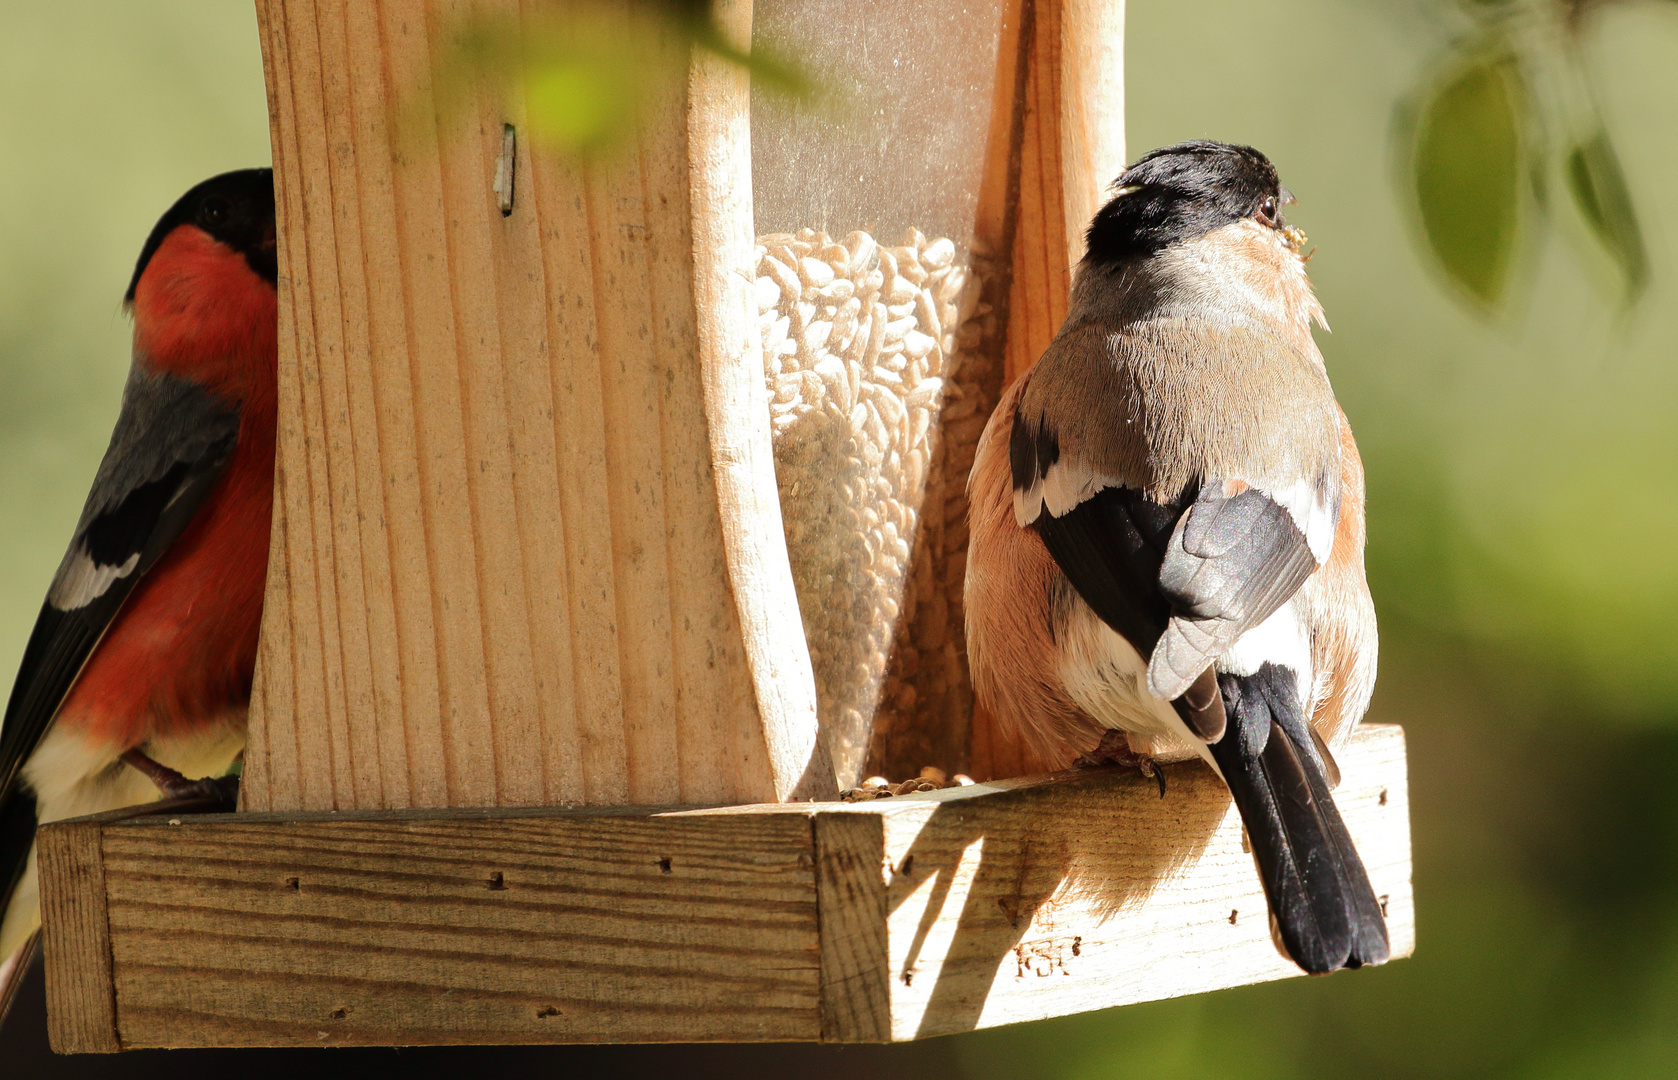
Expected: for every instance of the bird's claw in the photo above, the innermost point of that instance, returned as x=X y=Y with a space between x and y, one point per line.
x=212 y=794
x=1114 y=749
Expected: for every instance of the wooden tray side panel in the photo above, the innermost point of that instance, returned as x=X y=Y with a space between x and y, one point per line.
x=1086 y=893
x=499 y=574
x=77 y=935
x=851 y=879
x=414 y=932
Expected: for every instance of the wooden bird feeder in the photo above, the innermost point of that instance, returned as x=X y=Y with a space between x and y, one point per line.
x=639 y=484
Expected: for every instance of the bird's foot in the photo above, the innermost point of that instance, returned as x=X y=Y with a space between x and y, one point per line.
x=1114 y=749
x=878 y=787
x=212 y=794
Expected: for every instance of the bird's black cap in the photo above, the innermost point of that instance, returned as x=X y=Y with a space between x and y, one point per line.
x=1181 y=192
x=236 y=208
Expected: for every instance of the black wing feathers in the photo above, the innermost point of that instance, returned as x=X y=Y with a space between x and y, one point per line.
x=124 y=530
x=58 y=646
x=170 y=445
x=1234 y=560
x=17 y=833
x=1110 y=547
x=140 y=526
x=1032 y=449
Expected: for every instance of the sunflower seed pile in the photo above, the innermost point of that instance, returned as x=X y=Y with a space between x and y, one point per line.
x=859 y=350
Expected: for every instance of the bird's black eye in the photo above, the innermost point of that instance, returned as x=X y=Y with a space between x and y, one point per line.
x=213 y=211
x=1267 y=210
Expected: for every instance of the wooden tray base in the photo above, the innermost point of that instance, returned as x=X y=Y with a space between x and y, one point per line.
x=875 y=922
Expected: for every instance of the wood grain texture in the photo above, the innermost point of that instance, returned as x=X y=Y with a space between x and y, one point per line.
x=891 y=920
x=1092 y=143
x=1042 y=260
x=81 y=1007
x=1072 y=145
x=851 y=878
x=519 y=930
x=1092 y=891
x=503 y=571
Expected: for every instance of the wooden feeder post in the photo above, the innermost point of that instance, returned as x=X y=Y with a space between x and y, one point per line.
x=534 y=749
x=527 y=550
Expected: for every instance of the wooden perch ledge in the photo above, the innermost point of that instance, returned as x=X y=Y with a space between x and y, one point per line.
x=874 y=922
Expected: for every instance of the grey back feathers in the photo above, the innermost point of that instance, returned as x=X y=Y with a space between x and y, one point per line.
x=171 y=442
x=1156 y=381
x=171 y=437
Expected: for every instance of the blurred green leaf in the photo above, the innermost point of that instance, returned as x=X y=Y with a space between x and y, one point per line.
x=578 y=102
x=1466 y=172
x=1599 y=188
x=587 y=69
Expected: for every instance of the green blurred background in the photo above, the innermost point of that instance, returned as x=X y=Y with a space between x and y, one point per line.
x=1523 y=491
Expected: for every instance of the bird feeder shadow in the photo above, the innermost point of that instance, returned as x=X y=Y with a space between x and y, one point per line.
x=986 y=883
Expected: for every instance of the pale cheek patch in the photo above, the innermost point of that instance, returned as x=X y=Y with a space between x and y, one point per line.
x=1244 y=267
x=82 y=580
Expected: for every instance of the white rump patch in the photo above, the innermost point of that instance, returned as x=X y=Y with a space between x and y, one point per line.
x=81 y=581
x=1315 y=518
x=1282 y=640
x=1104 y=675
x=72 y=775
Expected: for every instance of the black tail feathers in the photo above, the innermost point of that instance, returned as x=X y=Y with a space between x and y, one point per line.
x=17 y=837
x=1325 y=909
x=12 y=978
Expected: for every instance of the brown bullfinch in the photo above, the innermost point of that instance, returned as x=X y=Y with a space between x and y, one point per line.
x=1167 y=530
x=139 y=667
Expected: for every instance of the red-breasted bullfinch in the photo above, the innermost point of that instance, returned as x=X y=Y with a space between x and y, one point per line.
x=139 y=667
x=1167 y=530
